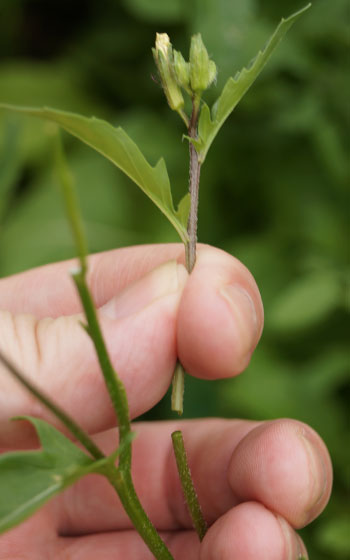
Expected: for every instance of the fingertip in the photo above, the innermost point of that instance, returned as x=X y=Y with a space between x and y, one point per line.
x=284 y=465
x=220 y=316
x=250 y=531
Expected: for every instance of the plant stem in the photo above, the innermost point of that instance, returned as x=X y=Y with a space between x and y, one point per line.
x=195 y=168
x=190 y=246
x=187 y=484
x=178 y=379
x=71 y=204
x=177 y=394
x=114 y=386
x=122 y=483
x=120 y=477
x=72 y=426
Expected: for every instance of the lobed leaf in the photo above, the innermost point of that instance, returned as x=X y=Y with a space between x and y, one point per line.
x=235 y=88
x=117 y=146
x=28 y=479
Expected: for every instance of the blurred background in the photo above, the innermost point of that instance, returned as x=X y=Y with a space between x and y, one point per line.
x=273 y=189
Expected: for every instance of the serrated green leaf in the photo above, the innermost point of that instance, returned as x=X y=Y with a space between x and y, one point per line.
x=235 y=88
x=28 y=479
x=117 y=146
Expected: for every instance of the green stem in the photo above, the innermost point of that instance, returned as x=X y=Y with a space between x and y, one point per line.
x=188 y=488
x=122 y=483
x=71 y=204
x=177 y=394
x=72 y=426
x=114 y=385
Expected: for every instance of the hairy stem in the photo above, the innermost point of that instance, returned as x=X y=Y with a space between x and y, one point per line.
x=72 y=426
x=195 y=169
x=190 y=246
x=122 y=483
x=187 y=485
x=114 y=386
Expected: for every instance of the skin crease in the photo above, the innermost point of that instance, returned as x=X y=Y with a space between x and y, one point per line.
x=257 y=481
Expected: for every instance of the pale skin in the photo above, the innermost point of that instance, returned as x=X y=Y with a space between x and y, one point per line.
x=257 y=481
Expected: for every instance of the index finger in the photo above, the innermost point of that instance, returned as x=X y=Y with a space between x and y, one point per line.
x=220 y=318
x=49 y=291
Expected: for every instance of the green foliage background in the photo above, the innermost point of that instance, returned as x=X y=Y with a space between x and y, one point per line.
x=273 y=190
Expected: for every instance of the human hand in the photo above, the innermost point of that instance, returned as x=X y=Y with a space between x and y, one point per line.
x=256 y=481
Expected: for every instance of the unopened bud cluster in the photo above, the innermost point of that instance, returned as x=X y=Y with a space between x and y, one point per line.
x=202 y=69
x=176 y=74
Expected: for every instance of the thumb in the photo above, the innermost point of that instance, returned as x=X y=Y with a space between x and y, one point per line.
x=139 y=325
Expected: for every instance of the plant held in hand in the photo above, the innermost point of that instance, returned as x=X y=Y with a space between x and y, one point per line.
x=29 y=478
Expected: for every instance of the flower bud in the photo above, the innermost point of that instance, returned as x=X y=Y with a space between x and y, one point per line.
x=163 y=57
x=182 y=71
x=202 y=69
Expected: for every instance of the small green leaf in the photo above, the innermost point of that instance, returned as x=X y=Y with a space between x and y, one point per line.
x=235 y=88
x=28 y=479
x=117 y=146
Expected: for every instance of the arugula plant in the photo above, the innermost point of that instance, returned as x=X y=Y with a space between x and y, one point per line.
x=28 y=479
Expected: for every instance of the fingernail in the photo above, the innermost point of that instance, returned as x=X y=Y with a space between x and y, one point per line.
x=245 y=315
x=317 y=475
x=169 y=278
